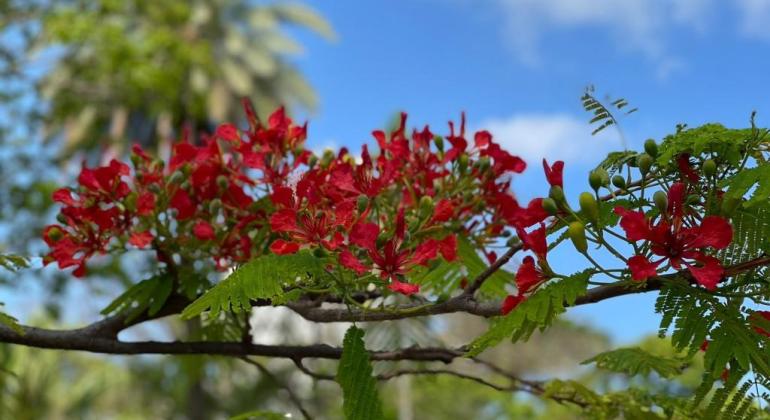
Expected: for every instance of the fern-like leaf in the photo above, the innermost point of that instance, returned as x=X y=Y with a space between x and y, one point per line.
x=147 y=295
x=635 y=361
x=539 y=311
x=359 y=388
x=260 y=278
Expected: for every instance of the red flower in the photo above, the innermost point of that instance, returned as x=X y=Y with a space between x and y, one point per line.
x=403 y=288
x=554 y=174
x=448 y=248
x=641 y=268
x=364 y=235
x=145 y=204
x=204 y=231
x=444 y=211
x=528 y=276
x=348 y=260
x=228 y=132
x=511 y=302
x=534 y=241
x=281 y=247
x=141 y=239
x=678 y=239
x=183 y=204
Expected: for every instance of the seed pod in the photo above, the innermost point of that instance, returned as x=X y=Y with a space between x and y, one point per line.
x=709 y=168
x=549 y=205
x=619 y=181
x=362 y=203
x=557 y=194
x=589 y=206
x=439 y=142
x=661 y=201
x=577 y=233
x=651 y=147
x=645 y=163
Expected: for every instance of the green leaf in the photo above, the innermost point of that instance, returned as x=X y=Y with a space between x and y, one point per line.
x=744 y=180
x=359 y=387
x=11 y=323
x=149 y=295
x=260 y=278
x=635 y=361
x=539 y=311
x=13 y=262
x=260 y=415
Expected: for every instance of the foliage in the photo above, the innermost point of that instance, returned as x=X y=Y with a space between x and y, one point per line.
x=265 y=277
x=361 y=401
x=537 y=312
x=635 y=361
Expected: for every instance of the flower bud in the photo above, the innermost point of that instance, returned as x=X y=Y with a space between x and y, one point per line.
x=439 y=142
x=693 y=199
x=550 y=206
x=54 y=233
x=619 y=181
x=426 y=206
x=651 y=147
x=215 y=205
x=177 y=177
x=589 y=206
x=130 y=201
x=484 y=164
x=362 y=203
x=661 y=201
x=577 y=233
x=644 y=161
x=320 y=252
x=312 y=161
x=595 y=180
x=222 y=182
x=557 y=194
x=327 y=158
x=709 y=168
x=513 y=241
x=462 y=162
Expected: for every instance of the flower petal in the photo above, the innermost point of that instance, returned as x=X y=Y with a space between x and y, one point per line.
x=641 y=268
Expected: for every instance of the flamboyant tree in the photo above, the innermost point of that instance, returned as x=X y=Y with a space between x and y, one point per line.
x=248 y=217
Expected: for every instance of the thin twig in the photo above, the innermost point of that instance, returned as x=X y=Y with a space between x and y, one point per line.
x=292 y=395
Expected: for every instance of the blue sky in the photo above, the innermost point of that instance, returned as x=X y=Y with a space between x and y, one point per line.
x=518 y=68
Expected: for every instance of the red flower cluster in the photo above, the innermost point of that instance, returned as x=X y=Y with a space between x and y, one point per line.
x=238 y=193
x=341 y=204
x=529 y=276
x=679 y=238
x=202 y=200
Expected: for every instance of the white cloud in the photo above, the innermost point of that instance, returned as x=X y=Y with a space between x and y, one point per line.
x=636 y=25
x=755 y=18
x=551 y=136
